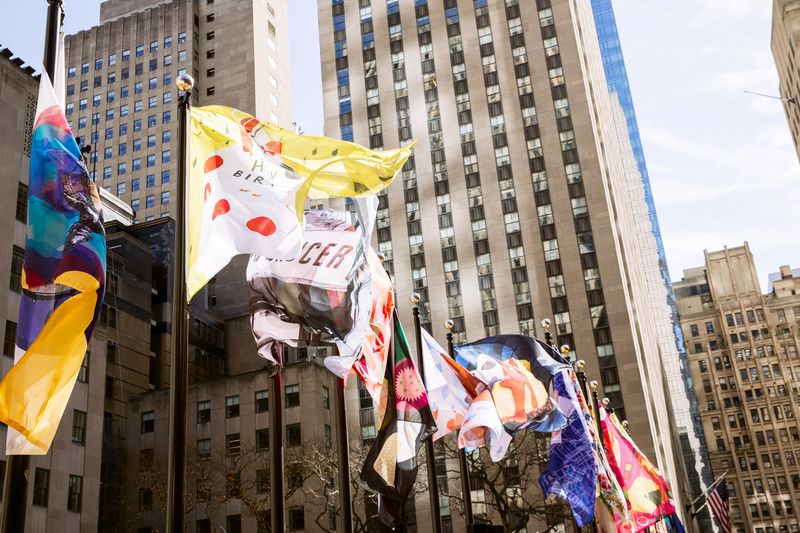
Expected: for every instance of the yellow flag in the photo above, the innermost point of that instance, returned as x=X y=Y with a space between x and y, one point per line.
x=249 y=181
x=336 y=168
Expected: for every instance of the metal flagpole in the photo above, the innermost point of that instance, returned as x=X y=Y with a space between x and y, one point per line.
x=433 y=484
x=276 y=449
x=343 y=452
x=462 y=454
x=179 y=342
x=690 y=507
x=15 y=485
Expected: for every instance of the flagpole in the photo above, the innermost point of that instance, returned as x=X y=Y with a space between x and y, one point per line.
x=343 y=452
x=462 y=454
x=433 y=484
x=706 y=493
x=15 y=485
x=179 y=342
x=276 y=449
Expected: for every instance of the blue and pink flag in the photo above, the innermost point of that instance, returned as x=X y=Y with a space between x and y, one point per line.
x=63 y=282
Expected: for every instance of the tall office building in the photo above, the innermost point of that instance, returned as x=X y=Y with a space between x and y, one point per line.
x=784 y=43
x=121 y=94
x=520 y=201
x=667 y=323
x=743 y=355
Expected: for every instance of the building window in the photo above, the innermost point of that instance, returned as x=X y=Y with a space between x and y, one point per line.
x=233 y=444
x=292 y=393
x=9 y=342
x=262 y=481
x=234 y=523
x=79 y=427
x=293 y=435
x=17 y=260
x=148 y=422
x=83 y=373
x=74 y=493
x=145 y=499
x=297 y=519
x=262 y=439
x=262 y=401
x=41 y=487
x=165 y=197
x=326 y=397
x=204 y=448
x=204 y=412
x=232 y=406
x=22 y=202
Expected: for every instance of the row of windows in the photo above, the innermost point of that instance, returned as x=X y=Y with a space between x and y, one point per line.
x=125 y=55
x=152 y=121
x=291 y=399
x=41 y=490
x=125 y=74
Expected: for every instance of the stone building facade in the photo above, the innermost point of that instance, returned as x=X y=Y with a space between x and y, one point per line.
x=743 y=355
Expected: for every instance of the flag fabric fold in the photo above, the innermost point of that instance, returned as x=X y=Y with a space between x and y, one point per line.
x=326 y=289
x=371 y=362
x=518 y=373
x=249 y=181
x=572 y=468
x=646 y=490
x=718 y=503
x=63 y=282
x=390 y=468
x=333 y=168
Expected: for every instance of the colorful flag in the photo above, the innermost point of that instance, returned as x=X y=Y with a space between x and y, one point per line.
x=334 y=168
x=63 y=282
x=390 y=468
x=482 y=427
x=371 y=364
x=249 y=181
x=571 y=468
x=326 y=289
x=645 y=488
x=718 y=503
x=518 y=372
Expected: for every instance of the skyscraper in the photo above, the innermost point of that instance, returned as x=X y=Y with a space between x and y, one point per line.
x=520 y=202
x=670 y=337
x=121 y=94
x=785 y=39
x=743 y=355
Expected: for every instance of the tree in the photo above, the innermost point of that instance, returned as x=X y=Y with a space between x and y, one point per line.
x=506 y=492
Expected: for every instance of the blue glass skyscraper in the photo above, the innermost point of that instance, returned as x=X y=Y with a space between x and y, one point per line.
x=684 y=401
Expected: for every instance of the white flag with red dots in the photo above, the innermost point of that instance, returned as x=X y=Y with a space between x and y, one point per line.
x=242 y=200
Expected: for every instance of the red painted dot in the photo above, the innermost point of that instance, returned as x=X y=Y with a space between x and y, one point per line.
x=263 y=225
x=212 y=163
x=273 y=147
x=207 y=192
x=220 y=208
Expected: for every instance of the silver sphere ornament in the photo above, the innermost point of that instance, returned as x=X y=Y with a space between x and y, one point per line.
x=448 y=324
x=184 y=82
x=414 y=298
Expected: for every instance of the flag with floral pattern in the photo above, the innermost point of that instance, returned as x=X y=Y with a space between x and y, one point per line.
x=390 y=468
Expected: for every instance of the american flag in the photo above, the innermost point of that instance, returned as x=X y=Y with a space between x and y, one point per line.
x=718 y=502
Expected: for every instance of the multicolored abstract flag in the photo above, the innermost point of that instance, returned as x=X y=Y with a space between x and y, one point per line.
x=249 y=181
x=572 y=468
x=370 y=366
x=390 y=468
x=63 y=282
x=518 y=373
x=325 y=290
x=645 y=488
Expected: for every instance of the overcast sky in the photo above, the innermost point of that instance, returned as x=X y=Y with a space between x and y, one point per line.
x=722 y=164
